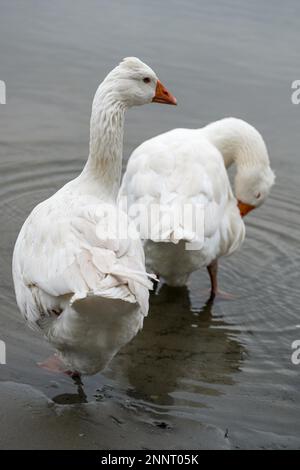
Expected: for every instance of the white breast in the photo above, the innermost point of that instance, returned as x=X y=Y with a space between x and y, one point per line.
x=86 y=292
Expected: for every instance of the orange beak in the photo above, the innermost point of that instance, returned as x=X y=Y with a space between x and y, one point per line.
x=162 y=95
x=244 y=208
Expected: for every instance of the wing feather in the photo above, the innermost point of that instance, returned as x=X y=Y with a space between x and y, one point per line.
x=66 y=249
x=181 y=173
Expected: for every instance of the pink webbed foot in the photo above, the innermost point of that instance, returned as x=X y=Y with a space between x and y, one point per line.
x=222 y=295
x=54 y=364
x=219 y=295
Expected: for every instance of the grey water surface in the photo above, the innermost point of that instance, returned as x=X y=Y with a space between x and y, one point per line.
x=197 y=376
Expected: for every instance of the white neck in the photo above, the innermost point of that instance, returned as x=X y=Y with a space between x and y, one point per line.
x=104 y=165
x=238 y=142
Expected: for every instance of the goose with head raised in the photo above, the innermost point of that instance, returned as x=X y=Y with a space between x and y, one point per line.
x=77 y=280
x=186 y=169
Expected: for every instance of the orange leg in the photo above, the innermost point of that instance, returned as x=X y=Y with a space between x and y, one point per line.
x=212 y=269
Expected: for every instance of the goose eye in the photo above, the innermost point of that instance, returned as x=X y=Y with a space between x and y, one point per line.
x=146 y=80
x=258 y=195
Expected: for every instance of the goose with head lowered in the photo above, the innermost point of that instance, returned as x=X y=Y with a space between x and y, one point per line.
x=183 y=173
x=77 y=280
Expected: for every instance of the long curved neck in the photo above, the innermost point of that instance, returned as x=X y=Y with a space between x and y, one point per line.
x=104 y=165
x=238 y=142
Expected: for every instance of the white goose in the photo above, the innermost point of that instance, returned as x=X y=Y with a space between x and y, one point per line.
x=187 y=168
x=75 y=280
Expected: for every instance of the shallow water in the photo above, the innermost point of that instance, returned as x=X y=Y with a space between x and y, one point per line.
x=196 y=373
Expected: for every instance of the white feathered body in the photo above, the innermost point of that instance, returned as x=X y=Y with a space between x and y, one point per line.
x=177 y=169
x=87 y=292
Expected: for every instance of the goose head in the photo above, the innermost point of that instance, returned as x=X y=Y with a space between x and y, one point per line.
x=252 y=187
x=133 y=83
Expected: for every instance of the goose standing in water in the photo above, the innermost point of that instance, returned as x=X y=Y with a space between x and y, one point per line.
x=187 y=168
x=76 y=280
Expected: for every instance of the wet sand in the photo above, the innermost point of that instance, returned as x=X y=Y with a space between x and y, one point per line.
x=32 y=421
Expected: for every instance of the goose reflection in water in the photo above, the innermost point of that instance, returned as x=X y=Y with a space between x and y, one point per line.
x=192 y=353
